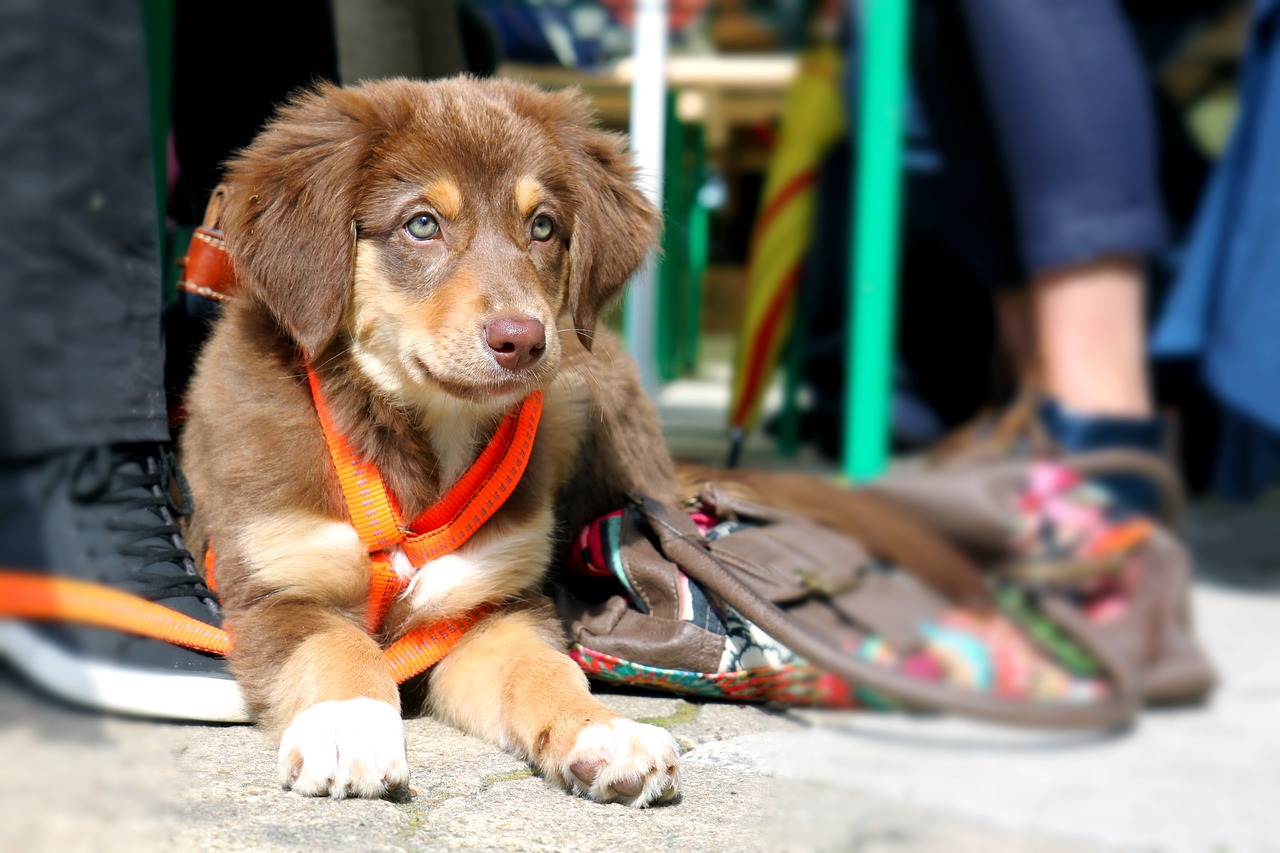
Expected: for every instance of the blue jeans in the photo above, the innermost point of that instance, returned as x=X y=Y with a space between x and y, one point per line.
x=1064 y=85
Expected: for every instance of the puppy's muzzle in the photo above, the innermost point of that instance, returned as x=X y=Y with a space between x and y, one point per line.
x=517 y=342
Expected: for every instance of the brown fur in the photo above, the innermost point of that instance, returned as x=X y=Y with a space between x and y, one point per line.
x=393 y=326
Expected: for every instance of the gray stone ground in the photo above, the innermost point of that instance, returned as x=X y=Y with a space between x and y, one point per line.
x=1202 y=779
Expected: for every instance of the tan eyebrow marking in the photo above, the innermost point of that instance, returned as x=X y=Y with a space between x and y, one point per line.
x=529 y=194
x=446 y=195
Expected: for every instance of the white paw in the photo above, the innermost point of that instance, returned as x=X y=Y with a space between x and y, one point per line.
x=351 y=748
x=624 y=761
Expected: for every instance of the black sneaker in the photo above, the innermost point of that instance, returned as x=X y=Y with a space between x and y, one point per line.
x=105 y=515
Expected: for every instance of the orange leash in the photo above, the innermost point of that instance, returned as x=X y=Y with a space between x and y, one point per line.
x=52 y=599
x=40 y=597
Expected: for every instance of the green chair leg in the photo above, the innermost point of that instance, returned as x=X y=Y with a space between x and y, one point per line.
x=873 y=294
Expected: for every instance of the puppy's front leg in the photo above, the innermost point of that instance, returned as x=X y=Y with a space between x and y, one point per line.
x=295 y=586
x=313 y=673
x=510 y=682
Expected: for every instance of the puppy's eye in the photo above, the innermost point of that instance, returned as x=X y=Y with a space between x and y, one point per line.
x=542 y=228
x=422 y=227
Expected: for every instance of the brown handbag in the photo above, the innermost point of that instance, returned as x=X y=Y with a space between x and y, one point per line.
x=834 y=609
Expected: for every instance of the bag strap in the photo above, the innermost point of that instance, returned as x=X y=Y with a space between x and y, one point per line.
x=685 y=548
x=1148 y=466
x=877 y=525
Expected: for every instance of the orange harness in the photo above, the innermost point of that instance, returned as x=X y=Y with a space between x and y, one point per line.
x=439 y=530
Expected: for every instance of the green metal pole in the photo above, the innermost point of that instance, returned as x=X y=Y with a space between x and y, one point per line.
x=872 y=303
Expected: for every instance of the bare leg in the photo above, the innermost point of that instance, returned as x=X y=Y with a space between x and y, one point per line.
x=1089 y=320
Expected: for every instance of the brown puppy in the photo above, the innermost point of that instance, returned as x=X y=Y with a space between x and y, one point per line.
x=434 y=252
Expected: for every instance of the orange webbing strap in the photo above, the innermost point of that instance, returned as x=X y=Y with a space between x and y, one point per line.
x=451 y=521
x=384 y=586
x=374 y=514
x=424 y=647
x=45 y=598
x=53 y=599
x=480 y=492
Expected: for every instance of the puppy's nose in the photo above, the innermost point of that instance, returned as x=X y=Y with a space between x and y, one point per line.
x=517 y=342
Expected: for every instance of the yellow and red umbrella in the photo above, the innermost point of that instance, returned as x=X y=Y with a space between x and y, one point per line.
x=813 y=118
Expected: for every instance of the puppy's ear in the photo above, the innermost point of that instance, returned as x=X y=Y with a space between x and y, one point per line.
x=616 y=223
x=290 y=212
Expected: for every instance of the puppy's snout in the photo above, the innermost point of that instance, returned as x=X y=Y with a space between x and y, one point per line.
x=517 y=342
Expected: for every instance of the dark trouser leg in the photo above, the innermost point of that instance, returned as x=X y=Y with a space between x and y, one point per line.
x=84 y=476
x=79 y=268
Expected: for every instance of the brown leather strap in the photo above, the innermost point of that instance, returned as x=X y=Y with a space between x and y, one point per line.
x=1153 y=468
x=206 y=269
x=877 y=524
x=683 y=548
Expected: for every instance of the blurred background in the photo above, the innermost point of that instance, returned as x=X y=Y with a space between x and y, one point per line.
x=765 y=349
x=899 y=235
x=746 y=118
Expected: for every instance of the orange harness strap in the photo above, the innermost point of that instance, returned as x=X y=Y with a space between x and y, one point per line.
x=443 y=527
x=451 y=521
x=426 y=645
x=373 y=513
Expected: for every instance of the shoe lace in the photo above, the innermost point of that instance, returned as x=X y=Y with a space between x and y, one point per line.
x=139 y=481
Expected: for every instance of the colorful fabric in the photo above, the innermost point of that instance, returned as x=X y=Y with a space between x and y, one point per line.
x=747 y=647
x=1075 y=537
x=793 y=684
x=1062 y=515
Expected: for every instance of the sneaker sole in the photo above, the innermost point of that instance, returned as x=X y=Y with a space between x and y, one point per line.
x=121 y=690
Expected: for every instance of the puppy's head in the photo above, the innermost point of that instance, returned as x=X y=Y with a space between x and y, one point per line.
x=445 y=232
